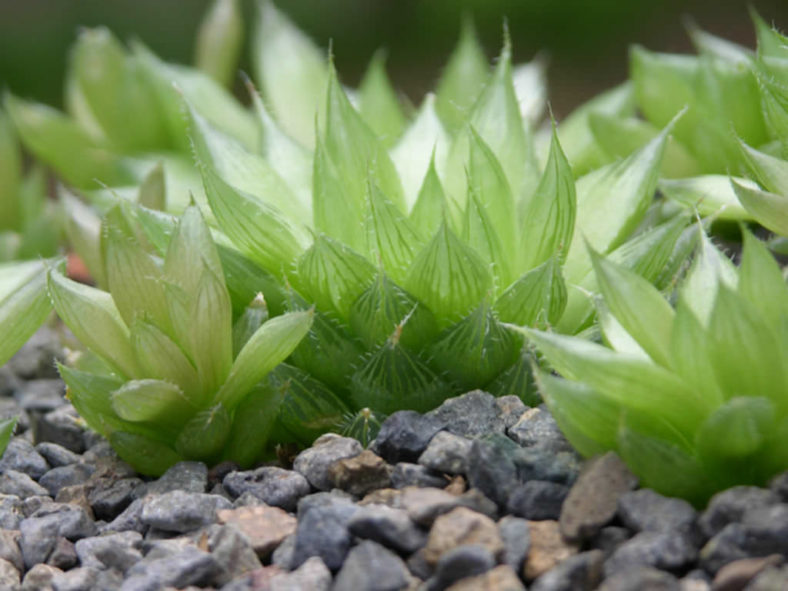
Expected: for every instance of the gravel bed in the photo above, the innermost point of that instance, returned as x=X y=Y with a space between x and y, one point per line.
x=481 y=493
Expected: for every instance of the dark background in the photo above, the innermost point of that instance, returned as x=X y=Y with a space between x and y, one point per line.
x=586 y=41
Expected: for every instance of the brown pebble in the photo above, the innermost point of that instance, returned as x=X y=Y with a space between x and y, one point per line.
x=593 y=499
x=457 y=486
x=735 y=575
x=361 y=474
x=266 y=527
x=548 y=548
x=458 y=527
x=501 y=578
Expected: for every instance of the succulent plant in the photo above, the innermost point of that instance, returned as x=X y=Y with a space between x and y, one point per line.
x=414 y=255
x=694 y=397
x=167 y=376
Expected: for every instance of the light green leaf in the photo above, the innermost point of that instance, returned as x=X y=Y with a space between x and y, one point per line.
x=769 y=171
x=537 y=298
x=134 y=278
x=710 y=269
x=247 y=324
x=385 y=308
x=761 y=281
x=151 y=400
x=746 y=352
x=448 y=276
x=496 y=117
x=487 y=185
x=190 y=250
x=7 y=427
x=355 y=150
x=106 y=93
x=161 y=358
x=737 y=429
x=259 y=230
x=589 y=421
x=219 y=41
x=252 y=425
x=248 y=172
x=393 y=240
x=638 y=306
x=530 y=86
x=290 y=70
x=463 y=79
x=431 y=207
x=286 y=156
x=691 y=353
x=153 y=190
x=624 y=379
x=717 y=47
x=474 y=350
x=204 y=436
x=770 y=210
x=480 y=234
x=93 y=318
x=770 y=41
x=273 y=342
x=575 y=134
x=145 y=454
x=378 y=102
x=424 y=144
x=210 y=333
x=710 y=195
x=614 y=335
x=334 y=275
x=24 y=305
x=611 y=201
x=618 y=137
x=10 y=176
x=61 y=143
x=548 y=216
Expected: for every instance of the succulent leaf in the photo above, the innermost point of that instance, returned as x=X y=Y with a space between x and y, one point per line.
x=219 y=41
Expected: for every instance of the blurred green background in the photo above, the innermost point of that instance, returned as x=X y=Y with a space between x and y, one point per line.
x=585 y=41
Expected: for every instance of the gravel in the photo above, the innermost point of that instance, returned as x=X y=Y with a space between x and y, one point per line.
x=480 y=493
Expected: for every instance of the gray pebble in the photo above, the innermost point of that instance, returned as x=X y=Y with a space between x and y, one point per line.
x=9 y=548
x=41 y=395
x=118 y=550
x=184 y=476
x=62 y=426
x=56 y=455
x=473 y=414
x=537 y=427
x=537 y=500
x=313 y=575
x=9 y=575
x=20 y=455
x=36 y=358
x=640 y=578
x=275 y=486
x=78 y=579
x=390 y=527
x=463 y=561
x=283 y=555
x=511 y=409
x=371 y=567
x=730 y=505
x=109 y=497
x=63 y=476
x=33 y=503
x=541 y=463
x=189 y=566
x=609 y=538
x=180 y=511
x=516 y=538
x=39 y=578
x=314 y=463
x=39 y=533
x=646 y=510
x=63 y=555
x=20 y=484
x=407 y=474
x=447 y=452
x=129 y=520
x=323 y=499
x=10 y=511
x=492 y=466
x=323 y=531
x=667 y=551
x=779 y=486
x=232 y=551
x=582 y=571
x=404 y=435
